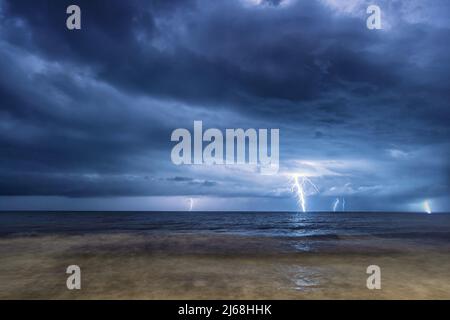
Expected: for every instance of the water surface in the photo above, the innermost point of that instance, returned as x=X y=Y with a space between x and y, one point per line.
x=234 y=255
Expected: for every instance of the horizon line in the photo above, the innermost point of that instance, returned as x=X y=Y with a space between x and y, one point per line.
x=227 y=211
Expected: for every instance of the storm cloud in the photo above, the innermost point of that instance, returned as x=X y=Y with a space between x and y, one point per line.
x=88 y=114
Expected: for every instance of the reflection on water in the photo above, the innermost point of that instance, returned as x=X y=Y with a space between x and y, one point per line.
x=297 y=223
x=301 y=246
x=304 y=279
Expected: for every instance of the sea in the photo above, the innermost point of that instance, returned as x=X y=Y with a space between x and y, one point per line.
x=225 y=255
x=401 y=225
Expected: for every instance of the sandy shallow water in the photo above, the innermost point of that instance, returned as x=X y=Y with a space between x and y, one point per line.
x=192 y=266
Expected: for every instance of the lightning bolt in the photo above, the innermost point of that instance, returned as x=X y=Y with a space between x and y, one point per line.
x=336 y=203
x=426 y=206
x=343 y=204
x=298 y=187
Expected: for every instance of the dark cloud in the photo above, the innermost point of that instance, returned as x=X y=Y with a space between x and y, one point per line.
x=180 y=179
x=90 y=112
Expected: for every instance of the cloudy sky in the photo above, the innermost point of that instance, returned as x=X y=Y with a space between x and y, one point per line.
x=86 y=116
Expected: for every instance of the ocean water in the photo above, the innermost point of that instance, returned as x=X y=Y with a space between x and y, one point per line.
x=402 y=225
x=224 y=255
